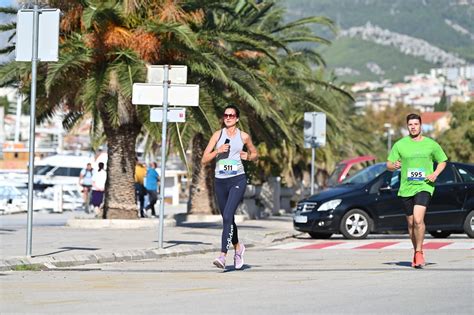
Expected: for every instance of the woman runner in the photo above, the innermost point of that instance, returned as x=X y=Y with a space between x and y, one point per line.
x=226 y=146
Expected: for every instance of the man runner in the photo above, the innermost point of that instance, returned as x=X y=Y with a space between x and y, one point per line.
x=414 y=155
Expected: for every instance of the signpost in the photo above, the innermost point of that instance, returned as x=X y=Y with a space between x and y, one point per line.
x=37 y=40
x=160 y=91
x=314 y=136
x=153 y=94
x=174 y=115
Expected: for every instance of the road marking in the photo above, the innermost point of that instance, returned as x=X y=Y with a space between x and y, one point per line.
x=435 y=245
x=373 y=245
x=320 y=245
x=291 y=245
x=469 y=245
x=376 y=245
x=401 y=245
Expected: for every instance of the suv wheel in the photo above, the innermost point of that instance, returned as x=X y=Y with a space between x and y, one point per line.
x=320 y=235
x=469 y=224
x=440 y=234
x=356 y=224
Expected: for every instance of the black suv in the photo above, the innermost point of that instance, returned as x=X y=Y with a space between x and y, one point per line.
x=367 y=203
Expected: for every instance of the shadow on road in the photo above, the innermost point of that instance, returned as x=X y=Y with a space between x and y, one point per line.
x=67 y=249
x=176 y=243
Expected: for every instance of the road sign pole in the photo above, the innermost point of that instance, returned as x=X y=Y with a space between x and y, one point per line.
x=313 y=153
x=31 y=158
x=312 y=169
x=163 y=152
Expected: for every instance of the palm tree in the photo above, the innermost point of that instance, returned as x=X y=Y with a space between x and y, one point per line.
x=104 y=48
x=233 y=49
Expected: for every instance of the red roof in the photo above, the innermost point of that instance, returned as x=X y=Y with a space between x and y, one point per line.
x=431 y=117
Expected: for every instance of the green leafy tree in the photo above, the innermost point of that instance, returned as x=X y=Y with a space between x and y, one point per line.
x=442 y=105
x=458 y=141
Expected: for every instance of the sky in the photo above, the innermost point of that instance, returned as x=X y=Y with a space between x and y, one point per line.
x=3 y=19
x=6 y=3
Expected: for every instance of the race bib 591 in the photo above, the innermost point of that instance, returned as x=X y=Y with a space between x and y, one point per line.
x=227 y=167
x=417 y=174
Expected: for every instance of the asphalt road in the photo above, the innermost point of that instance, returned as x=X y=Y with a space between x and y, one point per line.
x=273 y=281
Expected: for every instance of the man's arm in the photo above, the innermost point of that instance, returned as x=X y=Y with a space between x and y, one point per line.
x=393 y=166
x=432 y=177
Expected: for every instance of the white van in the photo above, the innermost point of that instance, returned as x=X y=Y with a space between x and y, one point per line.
x=61 y=169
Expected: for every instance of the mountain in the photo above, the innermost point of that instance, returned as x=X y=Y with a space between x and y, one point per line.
x=388 y=39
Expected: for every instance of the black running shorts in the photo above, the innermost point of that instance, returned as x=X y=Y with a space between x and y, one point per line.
x=420 y=199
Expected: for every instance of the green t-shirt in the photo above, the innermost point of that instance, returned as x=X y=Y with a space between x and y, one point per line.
x=417 y=159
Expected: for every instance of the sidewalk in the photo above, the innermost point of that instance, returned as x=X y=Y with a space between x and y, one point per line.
x=56 y=245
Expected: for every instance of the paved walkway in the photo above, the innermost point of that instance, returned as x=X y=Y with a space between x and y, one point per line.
x=57 y=245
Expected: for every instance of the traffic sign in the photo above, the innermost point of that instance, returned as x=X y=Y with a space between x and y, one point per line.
x=177 y=74
x=166 y=86
x=178 y=94
x=48 y=35
x=174 y=115
x=314 y=129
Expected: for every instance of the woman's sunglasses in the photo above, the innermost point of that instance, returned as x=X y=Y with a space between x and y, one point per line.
x=231 y=116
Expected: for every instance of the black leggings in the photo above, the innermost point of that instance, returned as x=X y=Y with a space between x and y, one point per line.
x=229 y=193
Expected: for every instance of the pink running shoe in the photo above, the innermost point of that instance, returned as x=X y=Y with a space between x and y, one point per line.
x=219 y=262
x=419 y=260
x=239 y=257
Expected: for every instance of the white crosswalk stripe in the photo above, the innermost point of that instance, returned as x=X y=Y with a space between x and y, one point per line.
x=291 y=245
x=401 y=245
x=459 y=245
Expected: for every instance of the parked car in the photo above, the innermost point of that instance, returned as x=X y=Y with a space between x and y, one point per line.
x=59 y=170
x=367 y=203
x=347 y=168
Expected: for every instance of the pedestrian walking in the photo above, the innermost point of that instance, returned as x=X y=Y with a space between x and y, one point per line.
x=98 y=187
x=226 y=147
x=140 y=191
x=85 y=180
x=151 y=185
x=414 y=156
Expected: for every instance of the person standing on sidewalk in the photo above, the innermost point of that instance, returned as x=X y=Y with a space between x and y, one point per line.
x=151 y=185
x=226 y=146
x=414 y=156
x=85 y=180
x=98 y=187
x=140 y=173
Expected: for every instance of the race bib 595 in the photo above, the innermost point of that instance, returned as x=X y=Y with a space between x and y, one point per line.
x=417 y=174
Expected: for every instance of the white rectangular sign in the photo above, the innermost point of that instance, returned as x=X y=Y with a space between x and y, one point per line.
x=174 y=115
x=48 y=36
x=176 y=74
x=178 y=94
x=314 y=129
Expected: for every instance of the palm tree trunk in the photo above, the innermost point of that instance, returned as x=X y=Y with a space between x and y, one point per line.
x=121 y=139
x=201 y=192
x=119 y=189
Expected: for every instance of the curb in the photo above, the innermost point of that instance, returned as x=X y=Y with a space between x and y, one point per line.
x=52 y=262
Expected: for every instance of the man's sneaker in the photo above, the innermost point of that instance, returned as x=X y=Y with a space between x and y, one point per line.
x=413 y=263
x=419 y=259
x=219 y=262
x=239 y=257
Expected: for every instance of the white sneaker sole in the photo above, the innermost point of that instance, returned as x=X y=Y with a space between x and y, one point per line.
x=218 y=264
x=242 y=258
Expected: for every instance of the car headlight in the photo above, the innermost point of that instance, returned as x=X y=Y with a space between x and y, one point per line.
x=329 y=205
